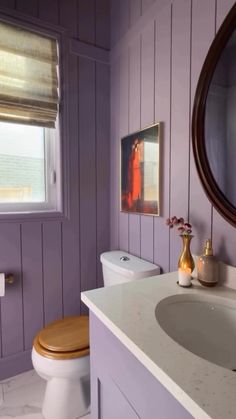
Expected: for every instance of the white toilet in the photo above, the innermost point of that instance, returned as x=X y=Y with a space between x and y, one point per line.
x=119 y=267
x=60 y=351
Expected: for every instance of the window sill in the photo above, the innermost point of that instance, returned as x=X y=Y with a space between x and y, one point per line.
x=33 y=216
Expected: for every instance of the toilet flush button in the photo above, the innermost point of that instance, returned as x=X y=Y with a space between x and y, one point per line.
x=124 y=258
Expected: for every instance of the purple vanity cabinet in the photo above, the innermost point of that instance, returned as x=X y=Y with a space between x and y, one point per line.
x=121 y=387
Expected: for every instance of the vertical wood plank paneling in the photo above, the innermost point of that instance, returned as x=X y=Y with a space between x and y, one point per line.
x=102 y=26
x=70 y=228
x=49 y=10
x=50 y=252
x=123 y=231
x=10 y=4
x=71 y=265
x=135 y=234
x=180 y=119
x=52 y=270
x=222 y=9
x=87 y=146
x=124 y=17
x=134 y=86
x=147 y=76
x=68 y=16
x=146 y=4
x=203 y=16
x=224 y=238
x=147 y=118
x=115 y=21
x=147 y=238
x=134 y=125
x=32 y=277
x=135 y=10
x=124 y=93
x=162 y=114
x=114 y=147
x=102 y=154
x=29 y=7
x=11 y=304
x=183 y=35
x=102 y=135
x=123 y=130
x=86 y=20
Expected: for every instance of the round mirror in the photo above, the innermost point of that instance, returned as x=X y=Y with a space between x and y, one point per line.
x=214 y=121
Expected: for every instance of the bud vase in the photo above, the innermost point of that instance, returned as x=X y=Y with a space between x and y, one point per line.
x=186 y=259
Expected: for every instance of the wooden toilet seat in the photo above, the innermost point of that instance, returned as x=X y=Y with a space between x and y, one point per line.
x=64 y=339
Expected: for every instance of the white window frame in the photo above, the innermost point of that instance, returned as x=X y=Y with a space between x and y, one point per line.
x=52 y=180
x=61 y=208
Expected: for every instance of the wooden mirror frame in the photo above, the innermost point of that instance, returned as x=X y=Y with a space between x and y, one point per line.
x=215 y=195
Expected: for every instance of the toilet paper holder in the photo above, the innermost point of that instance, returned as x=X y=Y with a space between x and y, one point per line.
x=9 y=278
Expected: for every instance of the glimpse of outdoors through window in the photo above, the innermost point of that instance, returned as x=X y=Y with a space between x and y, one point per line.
x=22 y=163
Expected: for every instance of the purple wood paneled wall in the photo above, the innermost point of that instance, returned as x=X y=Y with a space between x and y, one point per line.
x=158 y=49
x=54 y=261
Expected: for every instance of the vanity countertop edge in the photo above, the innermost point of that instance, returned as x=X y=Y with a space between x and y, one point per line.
x=205 y=390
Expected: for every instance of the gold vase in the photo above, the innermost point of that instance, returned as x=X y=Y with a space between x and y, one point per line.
x=186 y=259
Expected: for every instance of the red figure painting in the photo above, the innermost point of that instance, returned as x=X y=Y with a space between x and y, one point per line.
x=140 y=172
x=134 y=174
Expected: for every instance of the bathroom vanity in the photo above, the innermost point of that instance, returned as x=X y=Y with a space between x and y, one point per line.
x=138 y=370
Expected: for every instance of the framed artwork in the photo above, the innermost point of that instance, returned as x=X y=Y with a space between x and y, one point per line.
x=140 y=171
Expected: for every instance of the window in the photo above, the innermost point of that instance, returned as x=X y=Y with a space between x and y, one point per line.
x=29 y=145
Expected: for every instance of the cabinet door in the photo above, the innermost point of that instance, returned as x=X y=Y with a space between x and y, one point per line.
x=121 y=387
x=112 y=402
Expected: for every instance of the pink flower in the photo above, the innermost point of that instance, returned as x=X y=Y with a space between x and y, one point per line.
x=182 y=226
x=188 y=225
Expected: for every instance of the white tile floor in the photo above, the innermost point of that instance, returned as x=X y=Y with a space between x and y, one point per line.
x=21 y=397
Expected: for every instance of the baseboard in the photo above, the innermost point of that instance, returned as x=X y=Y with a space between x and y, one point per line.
x=15 y=364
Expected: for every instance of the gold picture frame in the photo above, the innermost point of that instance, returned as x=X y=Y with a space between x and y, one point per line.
x=140 y=171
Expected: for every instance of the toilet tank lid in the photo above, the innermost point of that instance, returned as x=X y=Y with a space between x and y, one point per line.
x=134 y=267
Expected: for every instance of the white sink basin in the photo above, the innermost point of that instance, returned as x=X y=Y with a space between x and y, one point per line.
x=203 y=325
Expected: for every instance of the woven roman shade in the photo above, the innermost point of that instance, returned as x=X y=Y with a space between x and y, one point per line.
x=28 y=77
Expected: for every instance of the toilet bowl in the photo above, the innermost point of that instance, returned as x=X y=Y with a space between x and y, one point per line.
x=60 y=351
x=60 y=355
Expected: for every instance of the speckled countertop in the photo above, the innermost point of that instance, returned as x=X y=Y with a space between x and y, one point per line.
x=203 y=388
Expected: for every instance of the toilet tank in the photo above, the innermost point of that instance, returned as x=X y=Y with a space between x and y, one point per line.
x=119 y=267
